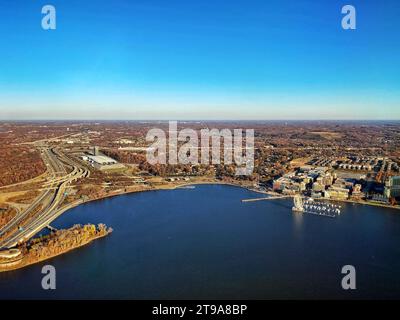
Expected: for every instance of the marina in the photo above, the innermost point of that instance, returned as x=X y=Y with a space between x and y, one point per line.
x=309 y=205
x=305 y=205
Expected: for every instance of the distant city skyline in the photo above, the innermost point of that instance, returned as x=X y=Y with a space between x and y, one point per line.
x=200 y=60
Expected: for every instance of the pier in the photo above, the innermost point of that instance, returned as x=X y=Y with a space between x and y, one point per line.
x=325 y=214
x=52 y=229
x=266 y=198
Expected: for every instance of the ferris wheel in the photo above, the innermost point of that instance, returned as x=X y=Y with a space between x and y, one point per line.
x=298 y=203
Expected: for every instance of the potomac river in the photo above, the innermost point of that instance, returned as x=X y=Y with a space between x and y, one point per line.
x=204 y=243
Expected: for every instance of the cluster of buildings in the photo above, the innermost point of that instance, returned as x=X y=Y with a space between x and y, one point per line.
x=324 y=182
x=360 y=163
x=173 y=179
x=369 y=164
x=357 y=163
x=319 y=182
x=301 y=180
x=349 y=166
x=322 y=162
x=342 y=189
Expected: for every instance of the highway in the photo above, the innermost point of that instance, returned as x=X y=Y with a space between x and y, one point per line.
x=50 y=200
x=14 y=223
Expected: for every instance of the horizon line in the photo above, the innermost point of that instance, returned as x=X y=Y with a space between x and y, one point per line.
x=198 y=120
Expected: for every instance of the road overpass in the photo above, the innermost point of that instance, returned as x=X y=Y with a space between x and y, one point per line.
x=28 y=222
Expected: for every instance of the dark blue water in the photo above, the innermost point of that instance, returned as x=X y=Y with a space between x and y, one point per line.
x=205 y=244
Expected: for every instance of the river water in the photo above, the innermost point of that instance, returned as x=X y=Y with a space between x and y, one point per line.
x=204 y=243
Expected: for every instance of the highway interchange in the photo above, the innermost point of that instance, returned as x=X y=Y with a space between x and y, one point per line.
x=61 y=172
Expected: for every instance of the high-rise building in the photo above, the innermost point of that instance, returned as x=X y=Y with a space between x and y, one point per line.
x=392 y=187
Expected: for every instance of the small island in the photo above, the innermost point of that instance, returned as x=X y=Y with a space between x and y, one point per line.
x=51 y=245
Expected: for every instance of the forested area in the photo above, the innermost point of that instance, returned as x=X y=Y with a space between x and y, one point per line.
x=19 y=163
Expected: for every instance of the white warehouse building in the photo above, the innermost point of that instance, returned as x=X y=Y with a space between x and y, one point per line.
x=102 y=162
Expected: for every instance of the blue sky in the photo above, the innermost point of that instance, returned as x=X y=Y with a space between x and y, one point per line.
x=209 y=59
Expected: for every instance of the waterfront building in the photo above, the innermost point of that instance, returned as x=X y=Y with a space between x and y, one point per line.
x=380 y=198
x=356 y=193
x=392 y=187
x=339 y=193
x=318 y=187
x=327 y=194
x=316 y=195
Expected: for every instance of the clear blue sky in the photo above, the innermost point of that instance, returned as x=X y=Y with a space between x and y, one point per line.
x=199 y=59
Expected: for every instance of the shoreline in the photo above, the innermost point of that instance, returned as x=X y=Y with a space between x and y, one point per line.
x=367 y=203
x=213 y=182
x=159 y=188
x=15 y=263
x=166 y=186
